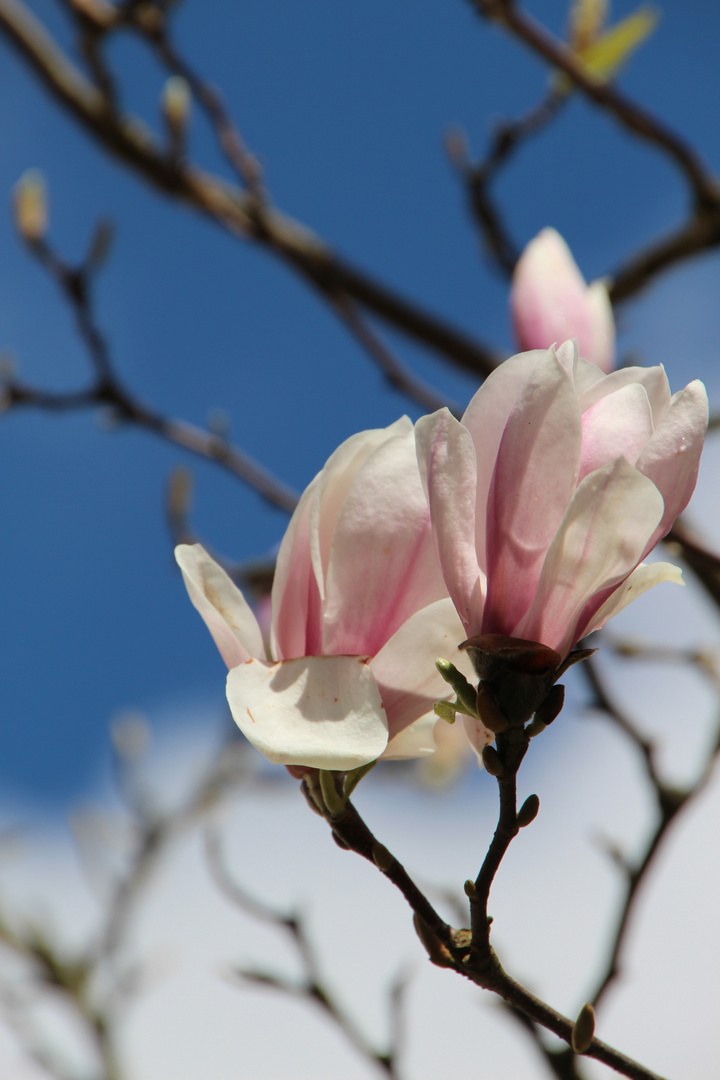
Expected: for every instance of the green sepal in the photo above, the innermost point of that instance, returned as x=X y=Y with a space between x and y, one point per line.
x=466 y=693
x=354 y=777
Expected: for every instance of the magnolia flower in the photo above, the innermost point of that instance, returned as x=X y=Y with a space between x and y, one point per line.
x=550 y=302
x=360 y=611
x=556 y=484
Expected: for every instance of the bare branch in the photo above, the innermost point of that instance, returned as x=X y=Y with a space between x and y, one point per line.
x=228 y=206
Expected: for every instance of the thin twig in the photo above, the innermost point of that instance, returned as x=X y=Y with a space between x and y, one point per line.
x=227 y=205
x=107 y=390
x=313 y=988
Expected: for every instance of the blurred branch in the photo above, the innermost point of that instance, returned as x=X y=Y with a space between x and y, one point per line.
x=107 y=390
x=683 y=542
x=507 y=138
x=232 y=208
x=455 y=949
x=700 y=232
x=312 y=988
x=668 y=800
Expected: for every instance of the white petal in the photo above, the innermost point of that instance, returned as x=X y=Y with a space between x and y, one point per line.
x=320 y=711
x=226 y=612
x=417 y=740
x=405 y=668
x=644 y=577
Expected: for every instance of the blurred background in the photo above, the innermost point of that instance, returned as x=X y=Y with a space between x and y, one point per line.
x=348 y=109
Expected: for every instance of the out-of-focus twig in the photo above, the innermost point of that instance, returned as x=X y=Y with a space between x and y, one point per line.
x=312 y=988
x=669 y=801
x=233 y=208
x=701 y=230
x=107 y=390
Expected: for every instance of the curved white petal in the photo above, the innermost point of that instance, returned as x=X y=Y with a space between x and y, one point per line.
x=224 y=609
x=320 y=711
x=417 y=740
x=405 y=668
x=602 y=326
x=644 y=577
x=600 y=541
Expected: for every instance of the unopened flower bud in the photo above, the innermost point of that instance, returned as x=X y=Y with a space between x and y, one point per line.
x=492 y=761
x=31 y=208
x=469 y=888
x=583 y=1029
x=466 y=694
x=528 y=811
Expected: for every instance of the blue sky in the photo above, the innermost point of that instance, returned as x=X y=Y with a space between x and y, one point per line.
x=346 y=106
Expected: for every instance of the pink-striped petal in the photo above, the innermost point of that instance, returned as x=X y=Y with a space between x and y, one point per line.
x=485 y=419
x=590 y=552
x=620 y=423
x=653 y=379
x=446 y=457
x=296 y=628
x=319 y=711
x=672 y=456
x=382 y=566
x=535 y=477
x=224 y=609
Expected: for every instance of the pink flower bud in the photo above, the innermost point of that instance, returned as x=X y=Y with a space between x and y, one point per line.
x=556 y=484
x=550 y=302
x=360 y=612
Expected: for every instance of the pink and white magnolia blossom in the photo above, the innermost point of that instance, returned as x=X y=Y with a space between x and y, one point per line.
x=550 y=302
x=557 y=483
x=360 y=611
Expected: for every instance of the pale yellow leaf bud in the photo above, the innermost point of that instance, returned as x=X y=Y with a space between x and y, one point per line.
x=31 y=206
x=176 y=101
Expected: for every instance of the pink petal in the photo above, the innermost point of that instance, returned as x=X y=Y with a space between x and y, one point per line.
x=446 y=457
x=382 y=566
x=620 y=423
x=653 y=379
x=601 y=346
x=550 y=302
x=405 y=669
x=224 y=609
x=534 y=480
x=296 y=606
x=485 y=419
x=672 y=456
x=320 y=711
x=334 y=482
x=599 y=543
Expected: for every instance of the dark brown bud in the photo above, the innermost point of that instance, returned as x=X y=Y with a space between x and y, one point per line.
x=552 y=705
x=583 y=1029
x=492 y=761
x=528 y=811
